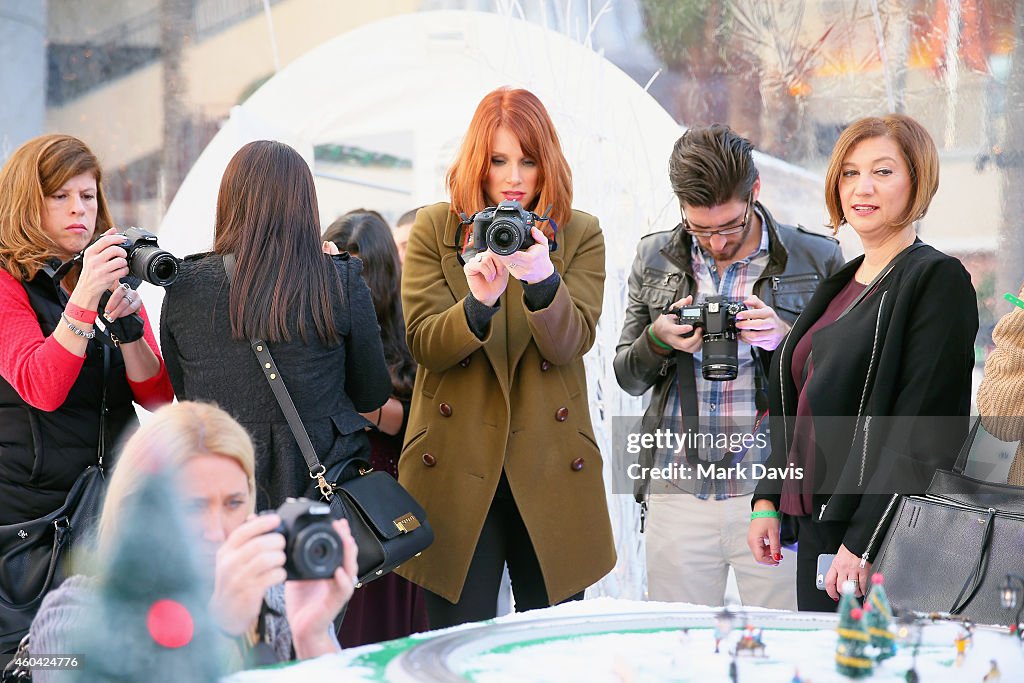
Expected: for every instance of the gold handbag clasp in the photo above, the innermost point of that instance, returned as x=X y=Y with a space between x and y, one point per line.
x=407 y=523
x=326 y=488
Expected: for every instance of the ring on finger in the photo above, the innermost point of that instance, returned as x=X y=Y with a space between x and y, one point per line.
x=125 y=286
x=128 y=299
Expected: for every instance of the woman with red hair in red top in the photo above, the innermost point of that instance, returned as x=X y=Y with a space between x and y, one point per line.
x=52 y=209
x=59 y=256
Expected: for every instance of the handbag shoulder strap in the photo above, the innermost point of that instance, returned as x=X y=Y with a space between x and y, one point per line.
x=965 y=450
x=101 y=447
x=284 y=399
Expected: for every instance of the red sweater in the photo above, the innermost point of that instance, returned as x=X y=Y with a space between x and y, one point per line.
x=42 y=371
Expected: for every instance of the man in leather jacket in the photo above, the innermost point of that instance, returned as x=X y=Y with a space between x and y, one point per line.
x=727 y=244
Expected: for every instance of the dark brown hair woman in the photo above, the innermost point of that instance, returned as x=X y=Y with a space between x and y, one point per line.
x=390 y=607
x=313 y=309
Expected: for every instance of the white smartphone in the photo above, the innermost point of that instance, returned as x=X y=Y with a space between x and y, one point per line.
x=824 y=564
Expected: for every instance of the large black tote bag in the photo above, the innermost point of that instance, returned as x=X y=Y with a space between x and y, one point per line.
x=950 y=549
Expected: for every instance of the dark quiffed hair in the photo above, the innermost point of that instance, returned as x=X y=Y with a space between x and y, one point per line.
x=267 y=217
x=712 y=165
x=366 y=235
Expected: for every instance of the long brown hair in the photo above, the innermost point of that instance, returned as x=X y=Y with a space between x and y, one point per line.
x=918 y=151
x=522 y=113
x=36 y=170
x=366 y=235
x=267 y=217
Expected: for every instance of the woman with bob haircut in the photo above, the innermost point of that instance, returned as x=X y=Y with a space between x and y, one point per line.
x=313 y=310
x=499 y=448
x=213 y=460
x=871 y=389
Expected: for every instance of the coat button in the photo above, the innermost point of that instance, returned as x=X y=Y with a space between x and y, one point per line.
x=577 y=465
x=429 y=460
x=562 y=414
x=445 y=409
x=545 y=366
x=465 y=362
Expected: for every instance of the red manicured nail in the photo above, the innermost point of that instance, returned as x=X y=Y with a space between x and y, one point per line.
x=777 y=557
x=836 y=599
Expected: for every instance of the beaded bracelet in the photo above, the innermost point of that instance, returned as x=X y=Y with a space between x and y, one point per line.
x=760 y=514
x=650 y=333
x=79 y=313
x=80 y=332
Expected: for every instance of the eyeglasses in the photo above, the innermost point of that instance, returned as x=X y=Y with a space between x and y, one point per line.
x=724 y=231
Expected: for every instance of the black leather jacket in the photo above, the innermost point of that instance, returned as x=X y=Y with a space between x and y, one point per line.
x=662 y=274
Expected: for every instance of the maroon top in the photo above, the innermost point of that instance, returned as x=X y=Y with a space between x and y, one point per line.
x=796 y=493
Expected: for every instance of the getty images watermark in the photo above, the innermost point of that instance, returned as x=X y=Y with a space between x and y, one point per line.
x=735 y=451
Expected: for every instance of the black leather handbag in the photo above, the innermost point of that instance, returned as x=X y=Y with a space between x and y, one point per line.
x=949 y=550
x=33 y=554
x=388 y=525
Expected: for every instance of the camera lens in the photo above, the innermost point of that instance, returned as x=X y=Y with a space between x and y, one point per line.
x=163 y=270
x=316 y=551
x=504 y=237
x=154 y=265
x=720 y=361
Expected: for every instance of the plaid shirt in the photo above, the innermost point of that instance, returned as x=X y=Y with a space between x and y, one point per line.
x=725 y=407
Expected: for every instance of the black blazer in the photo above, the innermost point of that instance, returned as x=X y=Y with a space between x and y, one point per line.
x=330 y=386
x=890 y=394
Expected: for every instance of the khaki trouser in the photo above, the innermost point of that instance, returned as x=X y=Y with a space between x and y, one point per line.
x=691 y=543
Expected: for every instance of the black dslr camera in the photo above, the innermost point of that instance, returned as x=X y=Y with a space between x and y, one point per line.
x=717 y=318
x=146 y=260
x=503 y=229
x=312 y=546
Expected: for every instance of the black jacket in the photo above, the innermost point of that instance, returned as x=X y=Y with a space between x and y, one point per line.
x=42 y=453
x=662 y=273
x=330 y=386
x=890 y=394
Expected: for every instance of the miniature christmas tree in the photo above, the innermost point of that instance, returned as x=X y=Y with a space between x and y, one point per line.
x=878 y=613
x=150 y=621
x=851 y=659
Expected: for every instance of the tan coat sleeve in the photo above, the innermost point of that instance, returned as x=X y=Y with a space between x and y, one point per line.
x=437 y=331
x=1001 y=394
x=567 y=328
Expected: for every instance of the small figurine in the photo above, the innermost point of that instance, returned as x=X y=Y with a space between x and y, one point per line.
x=723 y=627
x=993 y=673
x=963 y=639
x=751 y=642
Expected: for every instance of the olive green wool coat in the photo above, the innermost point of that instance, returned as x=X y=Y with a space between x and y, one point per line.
x=517 y=398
